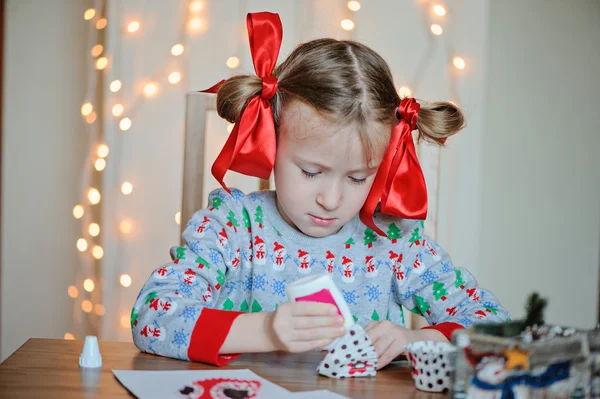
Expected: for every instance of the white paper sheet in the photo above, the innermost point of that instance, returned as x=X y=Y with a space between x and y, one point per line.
x=167 y=384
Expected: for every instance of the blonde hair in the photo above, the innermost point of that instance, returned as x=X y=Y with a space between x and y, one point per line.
x=346 y=81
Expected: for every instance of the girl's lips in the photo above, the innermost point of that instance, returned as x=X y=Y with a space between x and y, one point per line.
x=323 y=222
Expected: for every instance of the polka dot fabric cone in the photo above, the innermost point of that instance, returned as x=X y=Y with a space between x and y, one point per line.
x=353 y=356
x=432 y=364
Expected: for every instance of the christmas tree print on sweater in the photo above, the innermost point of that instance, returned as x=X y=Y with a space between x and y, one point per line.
x=258 y=216
x=280 y=256
x=348 y=267
x=349 y=243
x=246 y=219
x=439 y=292
x=304 y=262
x=393 y=233
x=415 y=238
x=422 y=307
x=179 y=254
x=372 y=271
x=216 y=203
x=460 y=283
x=232 y=221
x=369 y=238
x=330 y=259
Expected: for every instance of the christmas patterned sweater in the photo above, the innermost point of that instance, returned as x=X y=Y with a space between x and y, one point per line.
x=239 y=255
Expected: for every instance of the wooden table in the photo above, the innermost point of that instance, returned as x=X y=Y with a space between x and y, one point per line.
x=49 y=368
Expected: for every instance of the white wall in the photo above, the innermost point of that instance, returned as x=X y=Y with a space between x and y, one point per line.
x=539 y=199
x=44 y=82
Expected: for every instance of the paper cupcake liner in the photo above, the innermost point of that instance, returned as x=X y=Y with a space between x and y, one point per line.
x=353 y=356
x=432 y=364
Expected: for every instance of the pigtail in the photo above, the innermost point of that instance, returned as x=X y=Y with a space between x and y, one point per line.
x=439 y=120
x=235 y=94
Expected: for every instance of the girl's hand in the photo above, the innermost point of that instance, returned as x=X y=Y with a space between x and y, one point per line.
x=389 y=340
x=303 y=326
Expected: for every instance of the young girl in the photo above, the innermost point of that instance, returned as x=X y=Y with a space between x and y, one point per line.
x=331 y=124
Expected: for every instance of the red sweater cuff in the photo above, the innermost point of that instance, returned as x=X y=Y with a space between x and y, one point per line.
x=446 y=328
x=208 y=336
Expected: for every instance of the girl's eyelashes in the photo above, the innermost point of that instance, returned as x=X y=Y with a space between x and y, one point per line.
x=358 y=181
x=309 y=174
x=352 y=179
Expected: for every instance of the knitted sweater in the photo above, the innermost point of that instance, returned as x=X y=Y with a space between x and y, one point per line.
x=239 y=254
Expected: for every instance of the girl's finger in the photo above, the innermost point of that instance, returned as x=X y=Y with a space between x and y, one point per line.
x=382 y=345
x=304 y=346
x=370 y=326
x=307 y=322
x=313 y=309
x=320 y=333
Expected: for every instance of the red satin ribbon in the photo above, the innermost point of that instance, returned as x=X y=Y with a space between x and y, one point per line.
x=250 y=148
x=399 y=181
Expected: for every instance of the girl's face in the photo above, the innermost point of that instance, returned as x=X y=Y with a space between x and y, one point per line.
x=321 y=176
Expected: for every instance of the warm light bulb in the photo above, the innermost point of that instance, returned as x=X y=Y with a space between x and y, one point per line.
x=101 y=24
x=100 y=164
x=178 y=218
x=233 y=62
x=439 y=10
x=404 y=92
x=82 y=244
x=151 y=89
x=347 y=24
x=88 y=285
x=78 y=211
x=97 y=50
x=125 y=321
x=177 y=49
x=99 y=308
x=87 y=108
x=91 y=118
x=174 y=77
x=195 y=24
x=125 y=280
x=458 y=62
x=73 y=291
x=353 y=5
x=115 y=86
x=117 y=109
x=196 y=6
x=125 y=124
x=436 y=29
x=69 y=336
x=101 y=63
x=94 y=229
x=86 y=306
x=230 y=127
x=89 y=14
x=97 y=252
x=94 y=196
x=126 y=188
x=102 y=151
x=125 y=226
x=133 y=26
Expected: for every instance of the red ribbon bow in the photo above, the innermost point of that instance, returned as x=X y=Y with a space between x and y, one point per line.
x=399 y=181
x=250 y=148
